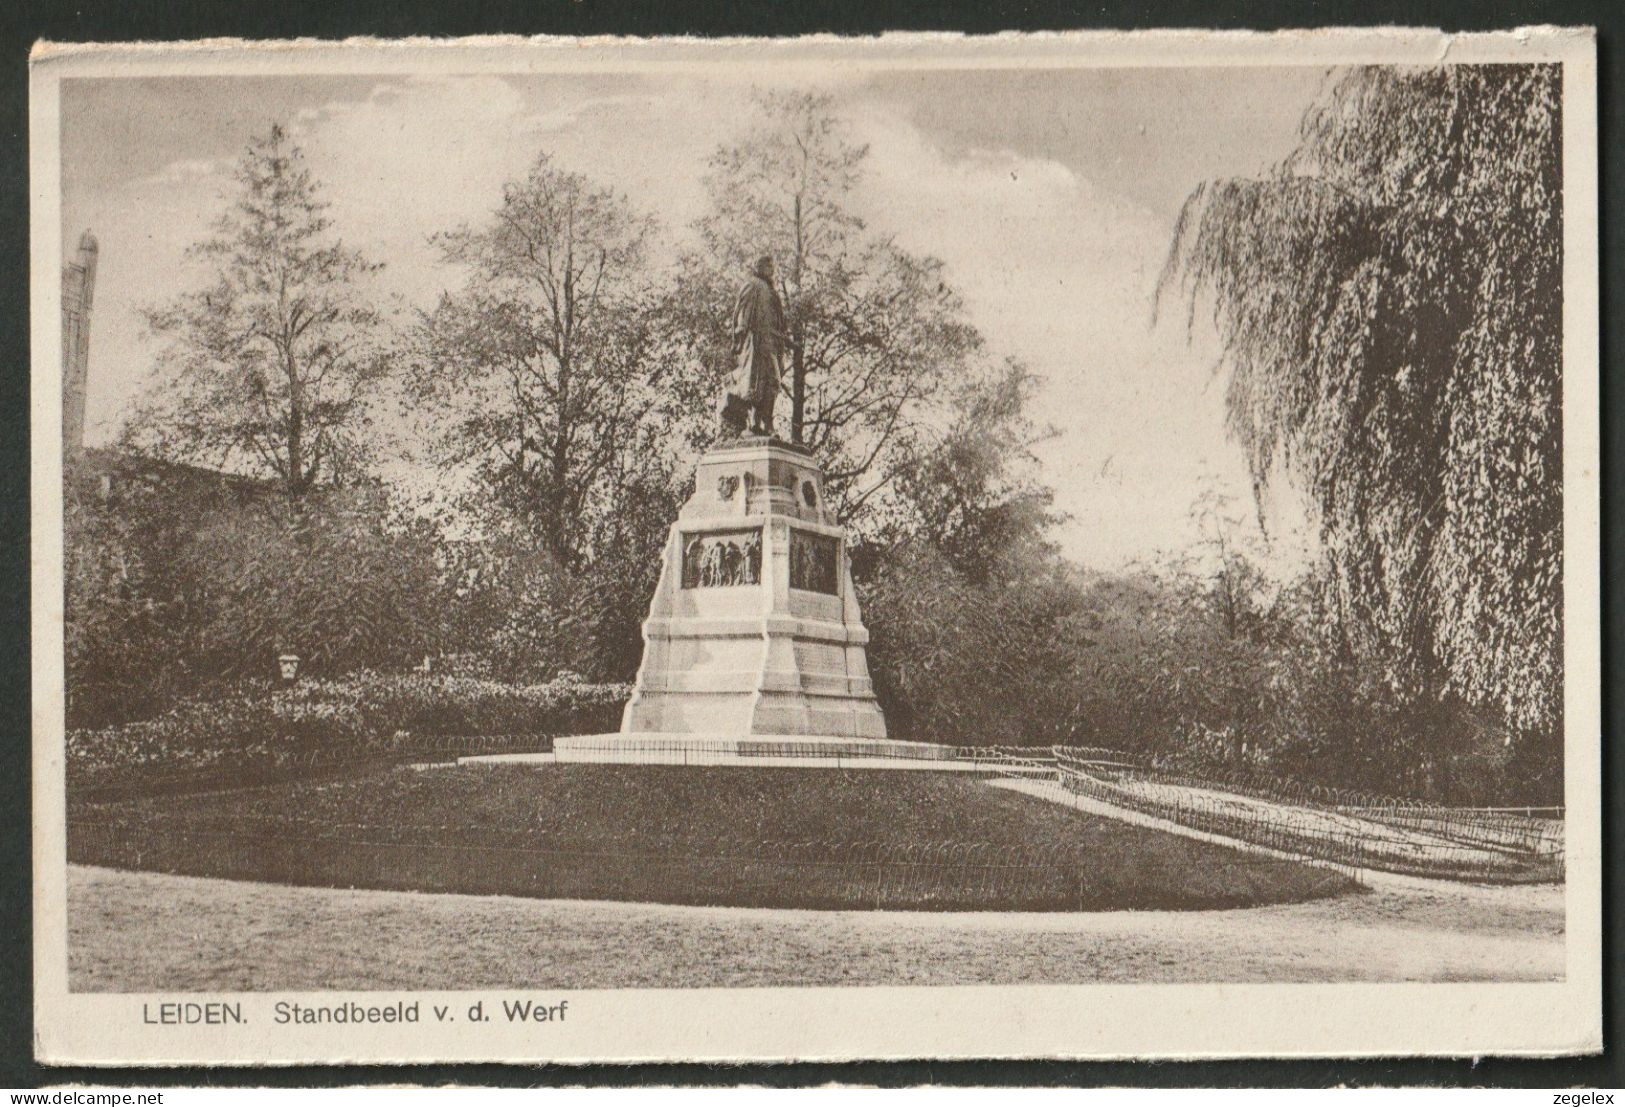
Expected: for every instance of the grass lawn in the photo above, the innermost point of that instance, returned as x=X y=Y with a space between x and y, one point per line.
x=670 y=834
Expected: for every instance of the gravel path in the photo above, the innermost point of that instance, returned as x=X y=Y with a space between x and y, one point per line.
x=132 y=931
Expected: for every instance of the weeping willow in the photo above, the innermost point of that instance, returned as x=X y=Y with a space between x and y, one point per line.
x=1389 y=300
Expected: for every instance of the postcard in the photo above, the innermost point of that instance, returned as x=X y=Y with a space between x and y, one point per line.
x=1034 y=546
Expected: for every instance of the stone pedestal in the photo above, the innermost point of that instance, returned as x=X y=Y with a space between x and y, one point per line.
x=754 y=627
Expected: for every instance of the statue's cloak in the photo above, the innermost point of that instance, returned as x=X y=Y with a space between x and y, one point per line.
x=758 y=343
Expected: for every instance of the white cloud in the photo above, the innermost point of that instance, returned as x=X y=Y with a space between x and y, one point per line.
x=187 y=169
x=422 y=156
x=1055 y=269
x=414 y=158
x=1061 y=274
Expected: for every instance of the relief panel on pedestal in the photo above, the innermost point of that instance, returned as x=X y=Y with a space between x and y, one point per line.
x=814 y=562
x=727 y=559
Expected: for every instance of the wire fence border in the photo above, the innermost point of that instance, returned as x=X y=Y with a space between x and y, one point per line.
x=1427 y=841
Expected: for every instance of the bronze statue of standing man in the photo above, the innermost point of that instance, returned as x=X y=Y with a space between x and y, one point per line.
x=758 y=347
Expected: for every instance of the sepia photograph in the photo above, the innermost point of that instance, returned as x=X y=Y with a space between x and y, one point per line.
x=1075 y=545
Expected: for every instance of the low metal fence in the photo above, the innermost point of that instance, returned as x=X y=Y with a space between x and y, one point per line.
x=1418 y=840
x=1523 y=829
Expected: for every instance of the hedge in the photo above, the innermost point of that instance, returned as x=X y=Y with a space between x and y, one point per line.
x=257 y=725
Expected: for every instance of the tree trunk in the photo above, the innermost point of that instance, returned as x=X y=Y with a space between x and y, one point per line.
x=798 y=384
x=798 y=346
x=296 y=434
x=556 y=526
x=559 y=472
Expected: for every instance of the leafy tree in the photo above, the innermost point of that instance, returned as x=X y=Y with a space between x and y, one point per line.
x=527 y=618
x=268 y=368
x=120 y=646
x=351 y=585
x=783 y=187
x=874 y=332
x=975 y=663
x=973 y=491
x=546 y=360
x=178 y=578
x=1390 y=303
x=971 y=609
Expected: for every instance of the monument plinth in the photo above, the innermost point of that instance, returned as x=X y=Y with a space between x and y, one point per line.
x=754 y=627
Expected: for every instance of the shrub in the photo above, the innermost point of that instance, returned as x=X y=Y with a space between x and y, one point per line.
x=177 y=579
x=453 y=705
x=256 y=726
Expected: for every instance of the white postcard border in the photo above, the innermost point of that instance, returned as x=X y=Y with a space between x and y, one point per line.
x=780 y=1024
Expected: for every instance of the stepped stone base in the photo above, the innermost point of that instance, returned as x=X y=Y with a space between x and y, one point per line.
x=765 y=750
x=754 y=627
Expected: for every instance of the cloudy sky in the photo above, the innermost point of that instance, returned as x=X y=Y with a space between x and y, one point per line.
x=1050 y=194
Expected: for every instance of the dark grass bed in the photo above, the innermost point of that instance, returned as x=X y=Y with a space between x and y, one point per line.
x=740 y=837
